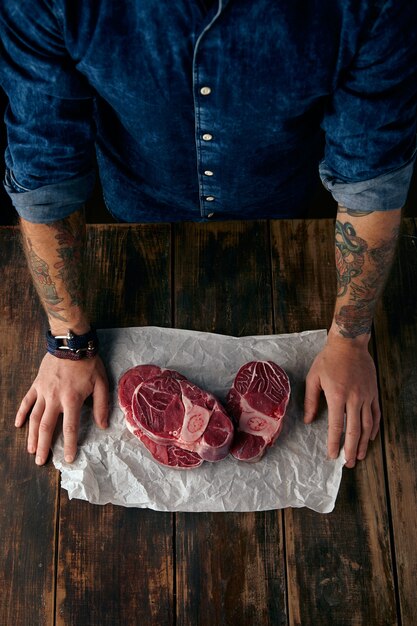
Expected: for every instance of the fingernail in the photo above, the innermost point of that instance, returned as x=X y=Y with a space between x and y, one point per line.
x=361 y=456
x=31 y=450
x=350 y=464
x=38 y=460
x=69 y=458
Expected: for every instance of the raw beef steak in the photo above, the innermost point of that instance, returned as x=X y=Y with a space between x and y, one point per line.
x=136 y=375
x=169 y=455
x=170 y=410
x=257 y=401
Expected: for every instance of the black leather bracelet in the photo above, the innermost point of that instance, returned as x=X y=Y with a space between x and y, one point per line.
x=71 y=346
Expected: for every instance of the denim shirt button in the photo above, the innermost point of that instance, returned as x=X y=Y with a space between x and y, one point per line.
x=207 y=137
x=208 y=173
x=210 y=215
x=210 y=198
x=205 y=91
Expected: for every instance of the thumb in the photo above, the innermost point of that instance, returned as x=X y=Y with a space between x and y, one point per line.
x=311 y=398
x=101 y=404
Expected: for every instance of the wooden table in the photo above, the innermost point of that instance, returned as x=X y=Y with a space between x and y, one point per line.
x=71 y=563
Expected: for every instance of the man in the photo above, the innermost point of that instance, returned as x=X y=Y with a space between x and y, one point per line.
x=198 y=111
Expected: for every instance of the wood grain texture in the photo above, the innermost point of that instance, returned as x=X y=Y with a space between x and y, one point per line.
x=230 y=567
x=116 y=564
x=129 y=566
x=222 y=278
x=339 y=564
x=396 y=335
x=129 y=275
x=28 y=494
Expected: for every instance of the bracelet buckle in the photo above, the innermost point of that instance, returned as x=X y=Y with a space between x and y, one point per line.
x=74 y=346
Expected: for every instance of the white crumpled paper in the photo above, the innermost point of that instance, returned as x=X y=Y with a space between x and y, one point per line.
x=113 y=467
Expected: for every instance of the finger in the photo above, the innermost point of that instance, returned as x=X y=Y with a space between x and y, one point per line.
x=367 y=421
x=101 y=404
x=70 y=426
x=35 y=418
x=353 y=431
x=335 y=428
x=311 y=398
x=376 y=414
x=46 y=430
x=25 y=406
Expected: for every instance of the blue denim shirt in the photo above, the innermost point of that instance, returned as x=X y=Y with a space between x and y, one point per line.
x=193 y=114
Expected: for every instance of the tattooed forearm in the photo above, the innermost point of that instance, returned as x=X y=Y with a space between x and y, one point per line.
x=44 y=284
x=70 y=238
x=350 y=255
x=361 y=274
x=54 y=255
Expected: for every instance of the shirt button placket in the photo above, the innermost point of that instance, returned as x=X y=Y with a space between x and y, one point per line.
x=207 y=137
x=206 y=115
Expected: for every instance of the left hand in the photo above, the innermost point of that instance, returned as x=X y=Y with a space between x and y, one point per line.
x=345 y=372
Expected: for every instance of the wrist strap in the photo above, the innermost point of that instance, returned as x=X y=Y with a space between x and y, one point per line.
x=71 y=346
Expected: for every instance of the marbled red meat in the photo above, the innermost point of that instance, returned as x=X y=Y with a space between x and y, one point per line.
x=169 y=455
x=175 y=411
x=136 y=375
x=257 y=402
x=163 y=408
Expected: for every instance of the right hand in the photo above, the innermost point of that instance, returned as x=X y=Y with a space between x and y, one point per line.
x=61 y=386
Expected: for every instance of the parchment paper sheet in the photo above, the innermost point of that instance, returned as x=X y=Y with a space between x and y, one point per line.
x=113 y=467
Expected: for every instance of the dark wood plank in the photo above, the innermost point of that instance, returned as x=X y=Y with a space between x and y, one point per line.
x=28 y=494
x=396 y=334
x=230 y=566
x=128 y=275
x=339 y=564
x=116 y=564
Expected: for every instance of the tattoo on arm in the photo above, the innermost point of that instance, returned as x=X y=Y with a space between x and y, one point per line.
x=70 y=242
x=350 y=255
x=364 y=287
x=44 y=283
x=69 y=234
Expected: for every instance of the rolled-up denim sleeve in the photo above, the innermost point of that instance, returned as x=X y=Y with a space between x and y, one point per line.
x=49 y=117
x=382 y=193
x=370 y=123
